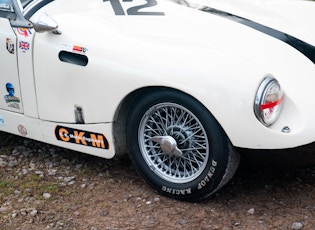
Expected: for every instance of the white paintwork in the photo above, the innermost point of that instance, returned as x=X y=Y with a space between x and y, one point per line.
x=295 y=17
x=44 y=131
x=216 y=60
x=8 y=68
x=26 y=71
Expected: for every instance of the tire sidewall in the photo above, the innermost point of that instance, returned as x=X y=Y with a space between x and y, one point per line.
x=209 y=180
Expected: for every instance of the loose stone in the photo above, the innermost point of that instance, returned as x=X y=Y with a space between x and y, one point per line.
x=34 y=212
x=297 y=226
x=251 y=211
x=46 y=195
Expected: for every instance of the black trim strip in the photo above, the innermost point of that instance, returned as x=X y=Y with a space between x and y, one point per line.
x=35 y=8
x=305 y=48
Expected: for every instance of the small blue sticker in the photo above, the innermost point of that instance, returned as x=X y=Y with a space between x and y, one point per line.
x=10 y=99
x=2 y=122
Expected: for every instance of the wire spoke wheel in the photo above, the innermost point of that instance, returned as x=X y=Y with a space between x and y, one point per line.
x=177 y=146
x=173 y=142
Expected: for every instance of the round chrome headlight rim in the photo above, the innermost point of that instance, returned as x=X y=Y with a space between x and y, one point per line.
x=268 y=101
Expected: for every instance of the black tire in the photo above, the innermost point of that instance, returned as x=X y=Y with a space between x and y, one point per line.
x=177 y=146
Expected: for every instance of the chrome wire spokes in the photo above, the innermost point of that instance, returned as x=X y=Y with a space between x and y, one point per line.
x=173 y=142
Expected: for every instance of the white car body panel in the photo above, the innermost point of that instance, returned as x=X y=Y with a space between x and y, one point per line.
x=26 y=71
x=45 y=131
x=295 y=17
x=196 y=52
x=8 y=65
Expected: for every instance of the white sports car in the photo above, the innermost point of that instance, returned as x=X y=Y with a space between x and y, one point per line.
x=177 y=84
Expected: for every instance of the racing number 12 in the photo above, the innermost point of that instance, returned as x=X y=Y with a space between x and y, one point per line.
x=118 y=9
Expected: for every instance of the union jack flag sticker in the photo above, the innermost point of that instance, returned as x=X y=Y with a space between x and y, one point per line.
x=24 y=45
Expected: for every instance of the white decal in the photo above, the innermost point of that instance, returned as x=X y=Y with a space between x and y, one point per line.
x=22 y=130
x=208 y=176
x=176 y=191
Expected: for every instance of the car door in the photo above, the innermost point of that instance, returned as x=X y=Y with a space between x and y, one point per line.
x=81 y=68
x=67 y=64
x=10 y=93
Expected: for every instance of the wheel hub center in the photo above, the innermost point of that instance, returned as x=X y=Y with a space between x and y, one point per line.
x=168 y=145
x=182 y=135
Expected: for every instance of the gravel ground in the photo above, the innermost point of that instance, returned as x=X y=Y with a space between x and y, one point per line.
x=45 y=187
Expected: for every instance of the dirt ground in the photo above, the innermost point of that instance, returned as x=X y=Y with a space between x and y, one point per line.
x=45 y=187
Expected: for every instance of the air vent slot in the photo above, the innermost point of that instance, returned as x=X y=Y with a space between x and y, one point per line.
x=73 y=58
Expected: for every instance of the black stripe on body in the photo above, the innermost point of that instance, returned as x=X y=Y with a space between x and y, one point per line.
x=307 y=49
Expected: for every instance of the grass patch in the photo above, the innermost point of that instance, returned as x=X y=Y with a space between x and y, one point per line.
x=85 y=171
x=6 y=188
x=32 y=185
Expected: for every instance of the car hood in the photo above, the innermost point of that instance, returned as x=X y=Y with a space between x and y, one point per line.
x=293 y=17
x=215 y=24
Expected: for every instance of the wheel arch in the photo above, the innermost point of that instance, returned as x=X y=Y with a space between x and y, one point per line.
x=219 y=167
x=120 y=117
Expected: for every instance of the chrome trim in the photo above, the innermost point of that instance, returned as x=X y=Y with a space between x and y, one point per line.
x=260 y=94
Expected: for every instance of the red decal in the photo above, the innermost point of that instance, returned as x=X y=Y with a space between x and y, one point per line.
x=271 y=104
